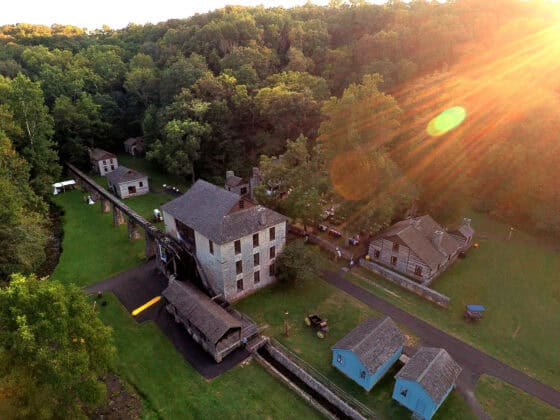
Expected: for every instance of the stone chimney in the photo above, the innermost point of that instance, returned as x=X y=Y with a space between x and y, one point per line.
x=229 y=174
x=262 y=218
x=466 y=222
x=437 y=238
x=256 y=172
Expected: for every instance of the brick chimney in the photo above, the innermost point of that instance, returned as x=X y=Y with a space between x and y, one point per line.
x=229 y=174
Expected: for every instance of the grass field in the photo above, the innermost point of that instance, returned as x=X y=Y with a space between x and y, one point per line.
x=516 y=280
x=344 y=313
x=172 y=389
x=156 y=177
x=92 y=248
x=498 y=397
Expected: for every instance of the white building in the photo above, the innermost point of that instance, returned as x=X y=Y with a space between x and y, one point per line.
x=125 y=182
x=102 y=162
x=235 y=239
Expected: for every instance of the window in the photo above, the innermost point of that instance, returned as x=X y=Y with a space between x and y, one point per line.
x=132 y=189
x=404 y=391
x=112 y=167
x=418 y=270
x=255 y=240
x=395 y=247
x=243 y=190
x=104 y=162
x=272 y=252
x=271 y=269
x=237 y=247
x=141 y=184
x=394 y=260
x=339 y=358
x=256 y=259
x=376 y=254
x=105 y=169
x=257 y=276
x=239 y=267
x=272 y=233
x=363 y=374
x=240 y=285
x=211 y=246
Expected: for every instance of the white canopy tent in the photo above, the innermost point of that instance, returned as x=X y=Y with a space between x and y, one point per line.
x=61 y=186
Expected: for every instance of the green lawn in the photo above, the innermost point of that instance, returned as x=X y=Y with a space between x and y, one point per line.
x=516 y=280
x=498 y=397
x=92 y=248
x=172 y=389
x=267 y=307
x=156 y=177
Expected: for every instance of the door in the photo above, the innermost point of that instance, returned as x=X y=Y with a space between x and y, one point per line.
x=132 y=189
x=420 y=407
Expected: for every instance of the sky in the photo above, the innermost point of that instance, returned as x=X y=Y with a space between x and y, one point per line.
x=118 y=13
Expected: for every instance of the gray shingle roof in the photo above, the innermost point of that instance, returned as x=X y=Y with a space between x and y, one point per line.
x=206 y=208
x=133 y=140
x=374 y=342
x=234 y=181
x=194 y=306
x=433 y=369
x=100 y=154
x=124 y=174
x=417 y=234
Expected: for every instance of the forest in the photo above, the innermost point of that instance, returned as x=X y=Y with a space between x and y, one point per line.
x=333 y=104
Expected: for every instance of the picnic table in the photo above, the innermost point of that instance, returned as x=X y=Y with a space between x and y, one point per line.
x=474 y=312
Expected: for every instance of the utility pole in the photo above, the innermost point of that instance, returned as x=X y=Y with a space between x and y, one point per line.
x=286 y=331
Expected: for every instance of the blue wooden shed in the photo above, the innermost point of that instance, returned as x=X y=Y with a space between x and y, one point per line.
x=368 y=351
x=424 y=383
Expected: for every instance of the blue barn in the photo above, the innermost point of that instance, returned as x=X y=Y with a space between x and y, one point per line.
x=368 y=351
x=425 y=381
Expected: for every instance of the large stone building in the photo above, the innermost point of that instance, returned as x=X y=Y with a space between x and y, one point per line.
x=102 y=162
x=418 y=247
x=125 y=182
x=235 y=239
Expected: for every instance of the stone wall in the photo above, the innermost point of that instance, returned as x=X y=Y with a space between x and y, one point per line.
x=402 y=281
x=312 y=382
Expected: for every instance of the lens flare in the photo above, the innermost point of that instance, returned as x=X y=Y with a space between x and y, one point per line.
x=353 y=175
x=448 y=120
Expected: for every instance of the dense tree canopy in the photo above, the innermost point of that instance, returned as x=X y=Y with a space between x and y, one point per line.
x=53 y=349
x=218 y=90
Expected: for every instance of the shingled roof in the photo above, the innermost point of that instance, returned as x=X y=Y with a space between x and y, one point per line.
x=374 y=342
x=417 y=234
x=209 y=210
x=234 y=181
x=124 y=174
x=433 y=369
x=195 y=307
x=100 y=154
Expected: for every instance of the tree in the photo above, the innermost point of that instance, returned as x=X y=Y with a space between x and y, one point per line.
x=53 y=349
x=180 y=149
x=24 y=98
x=296 y=263
x=23 y=223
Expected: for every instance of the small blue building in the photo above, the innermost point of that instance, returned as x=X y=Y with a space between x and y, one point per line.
x=367 y=352
x=424 y=383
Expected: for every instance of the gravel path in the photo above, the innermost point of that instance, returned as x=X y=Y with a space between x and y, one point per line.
x=473 y=361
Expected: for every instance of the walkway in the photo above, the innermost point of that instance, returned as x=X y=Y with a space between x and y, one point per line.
x=473 y=361
x=140 y=284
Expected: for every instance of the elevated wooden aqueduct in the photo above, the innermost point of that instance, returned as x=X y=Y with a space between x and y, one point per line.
x=174 y=258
